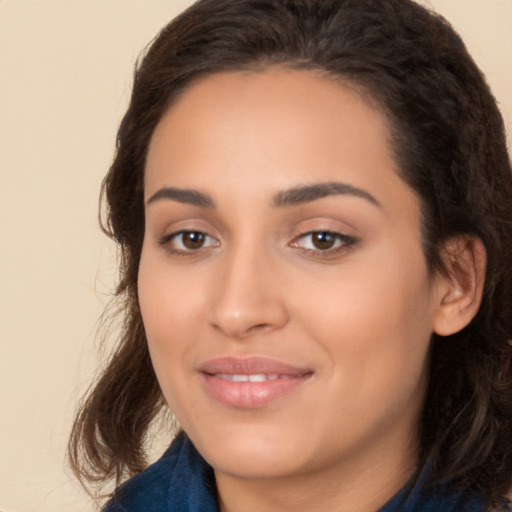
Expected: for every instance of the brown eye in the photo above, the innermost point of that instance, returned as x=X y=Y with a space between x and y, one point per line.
x=193 y=239
x=323 y=240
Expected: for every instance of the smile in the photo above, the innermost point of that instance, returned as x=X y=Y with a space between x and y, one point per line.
x=250 y=383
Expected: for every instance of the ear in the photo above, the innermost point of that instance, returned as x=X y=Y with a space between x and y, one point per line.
x=460 y=288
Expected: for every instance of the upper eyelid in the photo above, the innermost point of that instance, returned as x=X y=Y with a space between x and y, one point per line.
x=178 y=232
x=186 y=224
x=324 y=226
x=325 y=221
x=342 y=236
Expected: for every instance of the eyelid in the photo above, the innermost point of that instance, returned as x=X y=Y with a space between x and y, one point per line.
x=168 y=225
x=175 y=234
x=342 y=245
x=341 y=237
x=167 y=242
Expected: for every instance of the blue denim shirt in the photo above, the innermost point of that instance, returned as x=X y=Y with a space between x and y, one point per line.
x=181 y=481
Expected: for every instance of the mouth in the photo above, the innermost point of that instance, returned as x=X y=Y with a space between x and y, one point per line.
x=250 y=383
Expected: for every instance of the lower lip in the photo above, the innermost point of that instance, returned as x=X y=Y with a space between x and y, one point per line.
x=250 y=395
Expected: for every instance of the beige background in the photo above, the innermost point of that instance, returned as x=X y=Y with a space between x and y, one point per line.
x=65 y=72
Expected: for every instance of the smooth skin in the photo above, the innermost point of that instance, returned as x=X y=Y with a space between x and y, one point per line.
x=250 y=250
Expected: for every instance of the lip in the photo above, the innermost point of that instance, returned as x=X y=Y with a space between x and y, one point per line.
x=250 y=382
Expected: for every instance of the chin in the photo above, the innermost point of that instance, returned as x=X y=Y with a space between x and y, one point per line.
x=251 y=453
x=251 y=465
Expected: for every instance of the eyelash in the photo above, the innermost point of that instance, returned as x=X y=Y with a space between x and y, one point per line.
x=167 y=242
x=342 y=243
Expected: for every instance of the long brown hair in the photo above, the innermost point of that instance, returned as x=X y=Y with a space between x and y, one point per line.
x=450 y=145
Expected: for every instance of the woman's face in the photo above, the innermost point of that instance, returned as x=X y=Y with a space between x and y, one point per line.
x=284 y=291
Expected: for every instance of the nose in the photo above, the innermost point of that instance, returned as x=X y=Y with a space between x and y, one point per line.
x=248 y=297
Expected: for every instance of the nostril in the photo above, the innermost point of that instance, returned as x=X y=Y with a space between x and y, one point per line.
x=258 y=327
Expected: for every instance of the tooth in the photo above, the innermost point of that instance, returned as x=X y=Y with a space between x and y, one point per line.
x=259 y=377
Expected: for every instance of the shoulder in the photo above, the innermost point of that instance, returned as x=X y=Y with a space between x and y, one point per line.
x=418 y=496
x=180 y=481
x=452 y=502
x=432 y=501
x=147 y=491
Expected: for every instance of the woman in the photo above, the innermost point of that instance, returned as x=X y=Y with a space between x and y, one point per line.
x=313 y=202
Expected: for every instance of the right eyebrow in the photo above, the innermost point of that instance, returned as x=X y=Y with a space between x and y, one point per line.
x=182 y=195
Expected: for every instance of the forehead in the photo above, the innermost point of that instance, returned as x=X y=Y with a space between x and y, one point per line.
x=261 y=101
x=271 y=129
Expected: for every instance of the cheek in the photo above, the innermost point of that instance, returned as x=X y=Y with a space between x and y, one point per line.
x=170 y=298
x=374 y=322
x=170 y=307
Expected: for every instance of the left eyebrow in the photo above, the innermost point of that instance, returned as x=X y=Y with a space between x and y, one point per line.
x=308 y=193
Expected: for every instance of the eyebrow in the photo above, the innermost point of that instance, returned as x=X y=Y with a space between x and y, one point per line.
x=308 y=193
x=292 y=197
x=183 y=195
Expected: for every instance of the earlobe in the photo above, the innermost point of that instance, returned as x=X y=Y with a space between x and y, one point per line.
x=460 y=289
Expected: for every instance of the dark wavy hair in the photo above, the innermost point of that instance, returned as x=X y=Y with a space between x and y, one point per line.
x=449 y=142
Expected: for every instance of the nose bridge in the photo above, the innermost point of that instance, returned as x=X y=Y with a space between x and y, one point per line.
x=247 y=298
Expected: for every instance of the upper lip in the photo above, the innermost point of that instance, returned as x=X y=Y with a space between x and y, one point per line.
x=251 y=366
